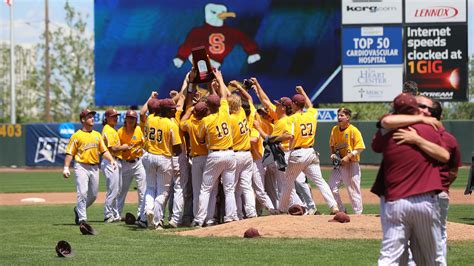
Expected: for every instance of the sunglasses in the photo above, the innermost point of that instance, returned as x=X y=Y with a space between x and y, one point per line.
x=423 y=106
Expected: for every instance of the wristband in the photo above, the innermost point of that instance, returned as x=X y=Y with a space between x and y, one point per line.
x=355 y=152
x=66 y=168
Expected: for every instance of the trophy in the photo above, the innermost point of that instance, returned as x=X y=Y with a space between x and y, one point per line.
x=202 y=65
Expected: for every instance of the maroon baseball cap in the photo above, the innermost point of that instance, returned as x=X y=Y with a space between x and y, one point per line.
x=405 y=103
x=85 y=112
x=285 y=101
x=200 y=109
x=131 y=113
x=168 y=104
x=213 y=100
x=299 y=100
x=154 y=105
x=111 y=112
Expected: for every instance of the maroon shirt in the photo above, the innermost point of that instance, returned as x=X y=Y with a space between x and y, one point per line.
x=407 y=170
x=451 y=144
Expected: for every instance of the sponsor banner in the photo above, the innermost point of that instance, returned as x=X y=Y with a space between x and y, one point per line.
x=372 y=45
x=327 y=114
x=371 y=12
x=371 y=84
x=437 y=60
x=435 y=11
x=46 y=143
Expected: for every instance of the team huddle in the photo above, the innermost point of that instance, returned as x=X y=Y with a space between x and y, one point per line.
x=213 y=157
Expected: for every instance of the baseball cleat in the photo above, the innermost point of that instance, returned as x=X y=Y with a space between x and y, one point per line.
x=141 y=224
x=149 y=219
x=310 y=211
x=109 y=220
x=172 y=224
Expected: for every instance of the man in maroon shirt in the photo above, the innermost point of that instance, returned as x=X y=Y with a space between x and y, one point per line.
x=410 y=211
x=448 y=169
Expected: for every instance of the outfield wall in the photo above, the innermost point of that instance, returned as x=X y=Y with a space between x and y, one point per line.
x=43 y=144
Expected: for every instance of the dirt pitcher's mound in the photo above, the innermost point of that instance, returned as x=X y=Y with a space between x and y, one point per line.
x=315 y=226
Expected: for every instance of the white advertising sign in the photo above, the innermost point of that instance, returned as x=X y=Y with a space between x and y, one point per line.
x=435 y=11
x=371 y=84
x=371 y=12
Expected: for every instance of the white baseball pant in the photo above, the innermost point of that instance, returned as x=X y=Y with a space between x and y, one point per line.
x=87 y=185
x=186 y=185
x=304 y=191
x=176 y=208
x=348 y=174
x=258 y=176
x=197 y=170
x=271 y=184
x=443 y=208
x=160 y=173
x=130 y=170
x=113 y=183
x=304 y=160
x=243 y=184
x=218 y=163
x=415 y=219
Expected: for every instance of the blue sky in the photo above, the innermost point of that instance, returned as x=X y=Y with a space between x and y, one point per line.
x=29 y=19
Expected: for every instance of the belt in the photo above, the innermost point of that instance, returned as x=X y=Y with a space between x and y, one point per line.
x=117 y=159
x=230 y=148
x=297 y=148
x=133 y=161
x=242 y=151
x=90 y=164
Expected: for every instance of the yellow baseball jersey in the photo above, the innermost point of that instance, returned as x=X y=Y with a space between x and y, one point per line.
x=346 y=141
x=304 y=128
x=281 y=126
x=86 y=147
x=241 y=125
x=257 y=147
x=215 y=129
x=272 y=112
x=111 y=138
x=135 y=140
x=177 y=120
x=192 y=127
x=161 y=134
x=266 y=125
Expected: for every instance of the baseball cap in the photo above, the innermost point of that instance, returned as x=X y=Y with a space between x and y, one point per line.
x=285 y=101
x=168 y=103
x=154 y=105
x=405 y=103
x=200 y=109
x=85 y=112
x=111 y=112
x=299 y=99
x=213 y=100
x=131 y=113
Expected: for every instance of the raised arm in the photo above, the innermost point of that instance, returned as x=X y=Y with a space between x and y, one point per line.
x=222 y=87
x=262 y=96
x=308 y=103
x=144 y=108
x=242 y=91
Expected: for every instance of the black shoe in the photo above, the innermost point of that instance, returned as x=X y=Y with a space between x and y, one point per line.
x=317 y=213
x=76 y=218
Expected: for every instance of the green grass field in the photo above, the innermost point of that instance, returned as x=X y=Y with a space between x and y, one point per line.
x=30 y=233
x=54 y=182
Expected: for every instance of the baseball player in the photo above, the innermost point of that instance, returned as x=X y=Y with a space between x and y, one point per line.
x=346 y=140
x=132 y=166
x=215 y=130
x=240 y=124
x=164 y=147
x=85 y=146
x=190 y=123
x=410 y=208
x=449 y=169
x=113 y=175
x=303 y=190
x=303 y=157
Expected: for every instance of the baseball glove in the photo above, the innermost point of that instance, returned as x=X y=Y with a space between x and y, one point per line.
x=64 y=249
x=296 y=210
x=341 y=217
x=130 y=218
x=86 y=229
x=251 y=233
x=336 y=162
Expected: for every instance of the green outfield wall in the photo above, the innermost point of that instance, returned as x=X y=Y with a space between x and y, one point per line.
x=13 y=141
